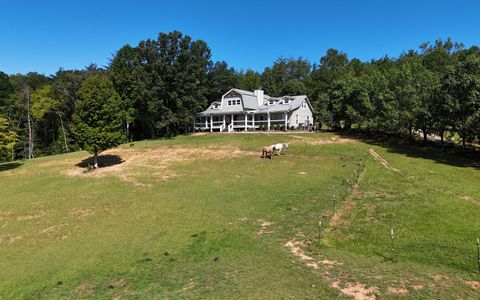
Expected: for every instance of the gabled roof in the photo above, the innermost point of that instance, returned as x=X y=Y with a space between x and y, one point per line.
x=250 y=103
x=294 y=103
x=249 y=98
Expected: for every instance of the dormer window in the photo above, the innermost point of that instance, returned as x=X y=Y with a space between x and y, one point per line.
x=233 y=102
x=286 y=101
x=215 y=106
x=271 y=101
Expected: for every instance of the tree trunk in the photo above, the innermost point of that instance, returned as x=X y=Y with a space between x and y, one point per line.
x=95 y=160
x=128 y=132
x=64 y=133
x=29 y=124
x=463 y=143
x=425 y=136
x=441 y=137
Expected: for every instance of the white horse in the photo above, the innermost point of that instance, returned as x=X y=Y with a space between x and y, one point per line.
x=278 y=147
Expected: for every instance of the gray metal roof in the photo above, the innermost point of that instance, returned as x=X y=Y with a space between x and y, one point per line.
x=250 y=104
x=294 y=103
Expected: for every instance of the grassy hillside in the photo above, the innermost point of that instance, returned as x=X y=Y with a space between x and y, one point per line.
x=204 y=217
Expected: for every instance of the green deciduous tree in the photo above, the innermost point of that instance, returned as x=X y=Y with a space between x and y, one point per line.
x=461 y=87
x=8 y=139
x=98 y=116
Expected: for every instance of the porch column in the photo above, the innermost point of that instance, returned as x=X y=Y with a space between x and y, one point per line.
x=246 y=119
x=224 y=121
x=211 y=123
x=206 y=122
x=253 y=121
x=233 y=124
x=286 y=121
x=268 y=121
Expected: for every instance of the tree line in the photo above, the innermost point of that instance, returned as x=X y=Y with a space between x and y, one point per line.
x=156 y=88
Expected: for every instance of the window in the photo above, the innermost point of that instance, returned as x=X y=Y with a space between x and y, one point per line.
x=296 y=119
x=238 y=102
x=304 y=104
x=271 y=101
x=308 y=119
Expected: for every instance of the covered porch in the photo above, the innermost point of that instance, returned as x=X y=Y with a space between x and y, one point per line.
x=242 y=122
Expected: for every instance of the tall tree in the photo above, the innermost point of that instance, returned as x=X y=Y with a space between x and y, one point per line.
x=220 y=79
x=332 y=67
x=462 y=89
x=44 y=105
x=172 y=77
x=98 y=117
x=122 y=72
x=6 y=88
x=249 y=81
x=8 y=139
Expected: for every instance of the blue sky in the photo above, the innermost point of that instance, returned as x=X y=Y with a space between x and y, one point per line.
x=46 y=35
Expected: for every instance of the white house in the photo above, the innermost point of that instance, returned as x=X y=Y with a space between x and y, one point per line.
x=244 y=110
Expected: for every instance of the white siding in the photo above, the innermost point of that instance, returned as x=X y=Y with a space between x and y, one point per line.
x=302 y=112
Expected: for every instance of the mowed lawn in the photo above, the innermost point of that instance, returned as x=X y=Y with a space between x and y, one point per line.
x=203 y=216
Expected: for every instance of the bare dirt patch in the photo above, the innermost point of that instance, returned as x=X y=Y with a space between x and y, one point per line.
x=81 y=212
x=357 y=290
x=296 y=249
x=10 y=239
x=313 y=141
x=52 y=229
x=417 y=287
x=191 y=284
x=31 y=217
x=382 y=161
x=470 y=199
x=84 y=290
x=198 y=134
x=397 y=291
x=473 y=284
x=264 y=225
x=155 y=162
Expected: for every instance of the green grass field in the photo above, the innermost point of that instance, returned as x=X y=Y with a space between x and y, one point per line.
x=203 y=216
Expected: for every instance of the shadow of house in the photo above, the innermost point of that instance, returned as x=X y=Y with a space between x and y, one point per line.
x=10 y=165
x=448 y=154
x=106 y=160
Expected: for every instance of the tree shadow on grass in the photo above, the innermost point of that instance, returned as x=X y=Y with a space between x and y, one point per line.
x=10 y=165
x=448 y=154
x=106 y=160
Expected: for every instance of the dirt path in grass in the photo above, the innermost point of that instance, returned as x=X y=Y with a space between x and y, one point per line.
x=382 y=161
x=329 y=267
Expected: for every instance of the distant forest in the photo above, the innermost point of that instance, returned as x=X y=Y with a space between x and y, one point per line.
x=164 y=82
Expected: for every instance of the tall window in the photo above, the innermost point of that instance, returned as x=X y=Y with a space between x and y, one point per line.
x=296 y=118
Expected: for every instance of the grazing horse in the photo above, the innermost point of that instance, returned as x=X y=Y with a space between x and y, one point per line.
x=277 y=148
x=267 y=152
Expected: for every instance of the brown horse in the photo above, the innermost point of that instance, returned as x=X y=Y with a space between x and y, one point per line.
x=268 y=152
